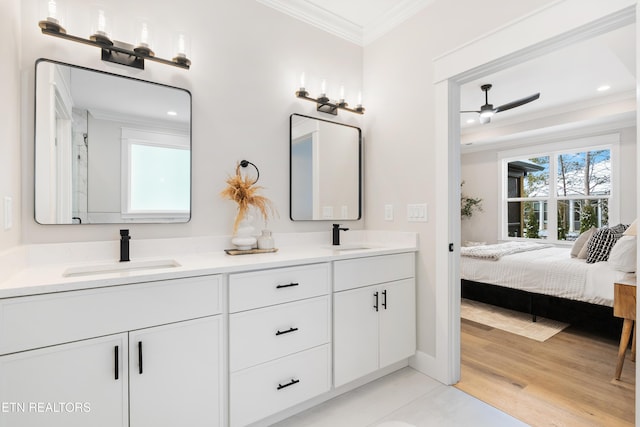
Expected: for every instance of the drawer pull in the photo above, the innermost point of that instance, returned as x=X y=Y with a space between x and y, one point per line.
x=279 y=332
x=116 y=353
x=375 y=294
x=384 y=299
x=288 y=285
x=292 y=382
x=140 y=357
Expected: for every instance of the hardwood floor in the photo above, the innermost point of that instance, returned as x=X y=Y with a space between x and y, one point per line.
x=564 y=381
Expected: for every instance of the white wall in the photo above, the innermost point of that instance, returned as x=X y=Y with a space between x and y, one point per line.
x=10 y=122
x=399 y=148
x=247 y=61
x=481 y=174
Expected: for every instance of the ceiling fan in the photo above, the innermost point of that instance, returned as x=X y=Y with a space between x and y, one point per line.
x=487 y=110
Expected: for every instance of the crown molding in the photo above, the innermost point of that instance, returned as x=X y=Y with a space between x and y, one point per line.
x=318 y=17
x=341 y=27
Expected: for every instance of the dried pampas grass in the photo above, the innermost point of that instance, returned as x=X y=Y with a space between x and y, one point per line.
x=244 y=192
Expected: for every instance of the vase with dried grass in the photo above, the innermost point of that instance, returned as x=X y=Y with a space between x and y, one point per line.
x=243 y=191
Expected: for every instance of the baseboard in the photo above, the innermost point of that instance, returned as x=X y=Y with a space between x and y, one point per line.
x=428 y=365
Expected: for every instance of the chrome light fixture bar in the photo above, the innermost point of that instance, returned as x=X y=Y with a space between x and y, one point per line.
x=325 y=105
x=114 y=51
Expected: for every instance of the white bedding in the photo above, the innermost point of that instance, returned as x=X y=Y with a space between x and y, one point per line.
x=549 y=271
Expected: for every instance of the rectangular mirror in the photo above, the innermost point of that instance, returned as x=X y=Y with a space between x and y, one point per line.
x=109 y=148
x=325 y=170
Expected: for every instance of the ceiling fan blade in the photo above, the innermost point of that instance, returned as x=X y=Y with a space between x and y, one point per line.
x=517 y=103
x=471 y=111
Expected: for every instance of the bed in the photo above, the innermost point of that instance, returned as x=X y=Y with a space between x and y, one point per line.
x=543 y=280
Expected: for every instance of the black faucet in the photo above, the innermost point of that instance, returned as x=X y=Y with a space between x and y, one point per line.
x=124 y=245
x=336 y=234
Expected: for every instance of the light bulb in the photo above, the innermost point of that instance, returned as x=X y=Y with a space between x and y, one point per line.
x=52 y=8
x=302 y=81
x=144 y=35
x=102 y=22
x=342 y=93
x=323 y=87
x=360 y=98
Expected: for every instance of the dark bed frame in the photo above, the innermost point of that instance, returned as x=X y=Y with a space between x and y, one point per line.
x=591 y=318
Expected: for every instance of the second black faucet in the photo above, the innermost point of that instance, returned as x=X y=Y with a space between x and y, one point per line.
x=336 y=234
x=124 y=245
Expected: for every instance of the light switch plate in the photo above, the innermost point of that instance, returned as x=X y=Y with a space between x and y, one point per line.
x=417 y=212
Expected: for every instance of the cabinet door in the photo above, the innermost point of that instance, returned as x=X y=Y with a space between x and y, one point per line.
x=355 y=334
x=79 y=384
x=397 y=321
x=175 y=374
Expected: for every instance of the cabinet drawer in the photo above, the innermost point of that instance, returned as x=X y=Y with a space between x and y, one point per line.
x=355 y=273
x=258 y=392
x=38 y=321
x=265 y=334
x=268 y=287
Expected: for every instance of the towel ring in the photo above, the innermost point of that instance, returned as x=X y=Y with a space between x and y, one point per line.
x=244 y=164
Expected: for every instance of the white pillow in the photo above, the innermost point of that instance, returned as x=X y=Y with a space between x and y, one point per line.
x=623 y=254
x=581 y=241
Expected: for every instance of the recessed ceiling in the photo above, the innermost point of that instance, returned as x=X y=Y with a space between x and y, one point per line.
x=567 y=79
x=359 y=21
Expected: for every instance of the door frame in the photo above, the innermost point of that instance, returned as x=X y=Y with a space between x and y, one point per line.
x=551 y=27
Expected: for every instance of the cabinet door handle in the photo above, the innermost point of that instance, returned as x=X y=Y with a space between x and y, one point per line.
x=375 y=294
x=140 y=357
x=288 y=285
x=116 y=368
x=384 y=299
x=279 y=332
x=290 y=383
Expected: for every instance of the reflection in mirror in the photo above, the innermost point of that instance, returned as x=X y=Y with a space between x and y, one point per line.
x=325 y=170
x=110 y=149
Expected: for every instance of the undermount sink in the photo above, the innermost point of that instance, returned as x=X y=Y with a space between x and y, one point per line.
x=120 y=267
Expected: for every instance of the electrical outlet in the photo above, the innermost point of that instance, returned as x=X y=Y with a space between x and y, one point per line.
x=388 y=212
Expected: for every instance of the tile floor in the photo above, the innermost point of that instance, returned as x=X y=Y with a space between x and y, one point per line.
x=405 y=398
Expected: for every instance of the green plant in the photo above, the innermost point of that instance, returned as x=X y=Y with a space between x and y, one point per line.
x=588 y=217
x=532 y=225
x=469 y=204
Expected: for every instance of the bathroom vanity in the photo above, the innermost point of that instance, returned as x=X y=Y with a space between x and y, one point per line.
x=211 y=340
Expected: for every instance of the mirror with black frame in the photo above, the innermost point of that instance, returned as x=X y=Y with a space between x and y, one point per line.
x=325 y=170
x=110 y=148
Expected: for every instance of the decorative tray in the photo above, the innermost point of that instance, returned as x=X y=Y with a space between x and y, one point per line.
x=249 y=251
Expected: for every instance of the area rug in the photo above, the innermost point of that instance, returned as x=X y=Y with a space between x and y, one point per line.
x=510 y=321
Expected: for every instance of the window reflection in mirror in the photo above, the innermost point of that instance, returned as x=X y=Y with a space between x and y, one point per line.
x=110 y=149
x=325 y=170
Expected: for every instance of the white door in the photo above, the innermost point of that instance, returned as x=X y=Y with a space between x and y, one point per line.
x=355 y=333
x=175 y=376
x=397 y=321
x=79 y=384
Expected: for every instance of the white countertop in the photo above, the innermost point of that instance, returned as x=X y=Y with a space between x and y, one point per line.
x=39 y=269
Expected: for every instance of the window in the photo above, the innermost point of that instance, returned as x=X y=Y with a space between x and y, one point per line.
x=156 y=175
x=556 y=195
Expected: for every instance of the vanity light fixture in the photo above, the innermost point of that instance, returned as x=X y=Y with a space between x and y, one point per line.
x=113 y=50
x=324 y=104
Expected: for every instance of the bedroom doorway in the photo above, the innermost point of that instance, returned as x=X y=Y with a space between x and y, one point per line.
x=526 y=39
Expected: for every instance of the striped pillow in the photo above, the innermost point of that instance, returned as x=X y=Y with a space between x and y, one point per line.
x=600 y=244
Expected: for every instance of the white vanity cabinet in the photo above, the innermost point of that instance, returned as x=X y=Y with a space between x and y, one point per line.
x=131 y=355
x=374 y=314
x=279 y=339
